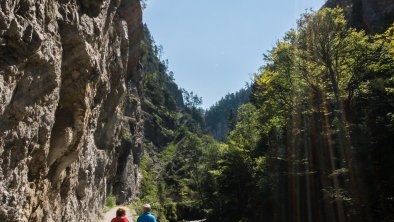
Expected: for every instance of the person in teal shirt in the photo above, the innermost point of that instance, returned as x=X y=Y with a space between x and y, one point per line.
x=146 y=216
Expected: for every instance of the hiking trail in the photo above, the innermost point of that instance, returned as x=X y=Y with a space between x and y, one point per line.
x=109 y=215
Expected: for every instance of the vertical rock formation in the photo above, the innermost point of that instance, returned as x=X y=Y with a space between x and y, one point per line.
x=70 y=116
x=372 y=15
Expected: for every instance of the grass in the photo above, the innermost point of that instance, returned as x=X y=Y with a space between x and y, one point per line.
x=110 y=202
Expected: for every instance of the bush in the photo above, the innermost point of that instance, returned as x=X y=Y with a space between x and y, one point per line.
x=110 y=201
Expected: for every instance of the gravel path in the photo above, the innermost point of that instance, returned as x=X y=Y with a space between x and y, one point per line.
x=107 y=217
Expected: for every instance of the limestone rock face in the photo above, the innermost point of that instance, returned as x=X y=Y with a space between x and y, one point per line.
x=377 y=14
x=70 y=110
x=372 y=15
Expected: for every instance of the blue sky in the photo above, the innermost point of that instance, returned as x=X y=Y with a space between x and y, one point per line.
x=214 y=46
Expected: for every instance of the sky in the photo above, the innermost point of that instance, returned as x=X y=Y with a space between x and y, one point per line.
x=215 y=46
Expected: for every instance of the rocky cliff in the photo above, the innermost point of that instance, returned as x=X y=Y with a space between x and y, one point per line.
x=70 y=116
x=372 y=15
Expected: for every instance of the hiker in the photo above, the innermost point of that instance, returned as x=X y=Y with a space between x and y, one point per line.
x=146 y=216
x=120 y=216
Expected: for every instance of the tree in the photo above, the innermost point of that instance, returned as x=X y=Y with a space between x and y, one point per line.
x=220 y=118
x=191 y=100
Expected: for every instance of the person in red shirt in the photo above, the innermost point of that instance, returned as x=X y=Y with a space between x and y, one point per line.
x=120 y=216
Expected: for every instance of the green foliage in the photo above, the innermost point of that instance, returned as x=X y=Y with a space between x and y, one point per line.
x=317 y=128
x=110 y=202
x=240 y=169
x=169 y=110
x=148 y=188
x=126 y=134
x=221 y=117
x=191 y=99
x=151 y=189
x=318 y=97
x=247 y=132
x=185 y=173
x=174 y=126
x=178 y=186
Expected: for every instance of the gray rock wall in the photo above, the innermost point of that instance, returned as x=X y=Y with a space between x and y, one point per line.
x=70 y=116
x=377 y=14
x=374 y=16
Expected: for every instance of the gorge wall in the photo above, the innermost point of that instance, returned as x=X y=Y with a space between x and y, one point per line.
x=372 y=15
x=70 y=115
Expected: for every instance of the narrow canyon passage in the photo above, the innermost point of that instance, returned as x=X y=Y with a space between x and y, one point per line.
x=93 y=115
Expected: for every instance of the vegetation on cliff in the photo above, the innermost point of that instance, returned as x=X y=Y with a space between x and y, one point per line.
x=221 y=117
x=171 y=116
